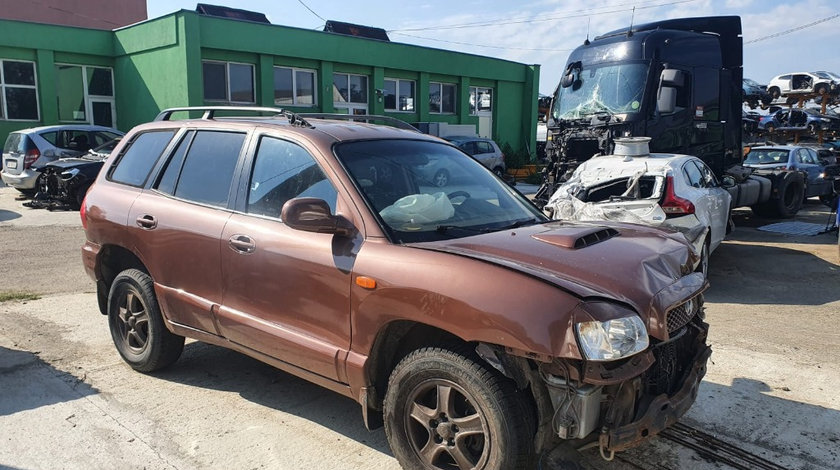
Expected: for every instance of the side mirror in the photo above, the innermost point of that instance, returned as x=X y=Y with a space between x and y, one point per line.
x=670 y=81
x=666 y=101
x=727 y=182
x=311 y=214
x=567 y=80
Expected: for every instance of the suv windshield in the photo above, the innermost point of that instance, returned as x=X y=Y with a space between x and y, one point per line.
x=611 y=88
x=400 y=181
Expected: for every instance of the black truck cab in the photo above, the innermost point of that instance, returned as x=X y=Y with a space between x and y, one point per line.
x=676 y=81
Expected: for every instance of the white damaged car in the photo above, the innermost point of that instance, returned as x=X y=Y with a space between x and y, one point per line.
x=677 y=192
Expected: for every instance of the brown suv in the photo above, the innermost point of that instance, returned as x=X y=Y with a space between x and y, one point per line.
x=479 y=331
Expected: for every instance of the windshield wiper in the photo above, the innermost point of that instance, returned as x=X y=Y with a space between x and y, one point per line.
x=446 y=228
x=515 y=224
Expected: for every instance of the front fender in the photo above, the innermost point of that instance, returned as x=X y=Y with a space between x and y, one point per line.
x=471 y=299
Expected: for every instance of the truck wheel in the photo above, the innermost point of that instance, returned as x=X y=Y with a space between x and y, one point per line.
x=791 y=194
x=445 y=408
x=137 y=326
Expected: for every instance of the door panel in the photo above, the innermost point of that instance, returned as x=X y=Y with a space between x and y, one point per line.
x=289 y=298
x=183 y=253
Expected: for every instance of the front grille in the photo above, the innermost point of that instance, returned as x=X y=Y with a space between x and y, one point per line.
x=680 y=315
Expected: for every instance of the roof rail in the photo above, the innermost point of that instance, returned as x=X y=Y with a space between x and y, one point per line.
x=210 y=112
x=363 y=117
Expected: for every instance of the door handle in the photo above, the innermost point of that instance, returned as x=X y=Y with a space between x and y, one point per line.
x=242 y=244
x=147 y=222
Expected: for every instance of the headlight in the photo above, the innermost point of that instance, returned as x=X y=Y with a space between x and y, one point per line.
x=66 y=175
x=612 y=339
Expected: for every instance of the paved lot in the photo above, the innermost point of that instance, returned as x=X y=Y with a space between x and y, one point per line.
x=68 y=401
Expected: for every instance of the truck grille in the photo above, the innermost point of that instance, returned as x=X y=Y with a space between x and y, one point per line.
x=680 y=315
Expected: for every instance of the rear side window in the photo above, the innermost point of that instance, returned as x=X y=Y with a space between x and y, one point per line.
x=484 y=147
x=692 y=175
x=208 y=168
x=135 y=163
x=283 y=171
x=50 y=137
x=15 y=143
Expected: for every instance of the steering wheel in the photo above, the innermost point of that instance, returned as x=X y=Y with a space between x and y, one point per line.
x=456 y=194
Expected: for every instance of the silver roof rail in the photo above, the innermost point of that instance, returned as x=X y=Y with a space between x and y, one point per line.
x=210 y=112
x=394 y=122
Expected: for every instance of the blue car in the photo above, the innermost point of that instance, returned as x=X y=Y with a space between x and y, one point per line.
x=755 y=93
x=798 y=120
x=794 y=158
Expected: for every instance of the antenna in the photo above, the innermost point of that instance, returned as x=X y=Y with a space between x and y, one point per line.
x=632 y=17
x=588 y=21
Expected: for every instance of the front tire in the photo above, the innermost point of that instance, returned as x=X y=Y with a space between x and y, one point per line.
x=445 y=408
x=137 y=326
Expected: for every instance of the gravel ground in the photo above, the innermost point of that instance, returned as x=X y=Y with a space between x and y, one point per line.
x=68 y=401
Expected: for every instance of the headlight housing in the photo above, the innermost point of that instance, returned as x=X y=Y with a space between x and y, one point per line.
x=612 y=339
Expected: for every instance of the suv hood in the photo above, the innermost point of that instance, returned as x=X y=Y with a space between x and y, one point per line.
x=646 y=268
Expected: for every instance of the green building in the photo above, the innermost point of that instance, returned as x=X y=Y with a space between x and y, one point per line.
x=54 y=74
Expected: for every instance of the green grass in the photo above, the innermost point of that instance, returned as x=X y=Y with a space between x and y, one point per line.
x=7 y=296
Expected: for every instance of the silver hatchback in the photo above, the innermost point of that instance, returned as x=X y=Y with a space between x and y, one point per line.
x=27 y=150
x=484 y=150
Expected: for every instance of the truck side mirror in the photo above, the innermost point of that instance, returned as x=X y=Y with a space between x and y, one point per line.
x=666 y=101
x=670 y=80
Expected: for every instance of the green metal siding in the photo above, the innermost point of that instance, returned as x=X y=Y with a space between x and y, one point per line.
x=157 y=64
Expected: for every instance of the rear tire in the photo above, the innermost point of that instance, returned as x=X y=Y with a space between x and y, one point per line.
x=703 y=267
x=499 y=171
x=137 y=326
x=445 y=407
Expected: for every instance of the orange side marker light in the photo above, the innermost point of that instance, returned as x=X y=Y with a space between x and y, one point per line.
x=365 y=282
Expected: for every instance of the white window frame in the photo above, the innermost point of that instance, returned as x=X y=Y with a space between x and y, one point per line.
x=441 y=85
x=88 y=97
x=397 y=101
x=295 y=70
x=4 y=111
x=227 y=81
x=474 y=106
x=348 y=103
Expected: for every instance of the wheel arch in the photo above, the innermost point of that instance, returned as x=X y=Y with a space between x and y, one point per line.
x=111 y=261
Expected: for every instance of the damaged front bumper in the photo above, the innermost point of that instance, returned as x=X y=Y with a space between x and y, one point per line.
x=618 y=405
x=663 y=411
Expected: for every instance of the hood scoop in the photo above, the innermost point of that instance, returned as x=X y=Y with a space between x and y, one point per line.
x=575 y=238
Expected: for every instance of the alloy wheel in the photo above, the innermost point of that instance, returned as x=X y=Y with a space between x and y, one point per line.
x=444 y=427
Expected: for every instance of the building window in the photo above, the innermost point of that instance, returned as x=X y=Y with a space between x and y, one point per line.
x=441 y=97
x=85 y=94
x=294 y=87
x=399 y=95
x=481 y=100
x=348 y=88
x=18 y=91
x=228 y=81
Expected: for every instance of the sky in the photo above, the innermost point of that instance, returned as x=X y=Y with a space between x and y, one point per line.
x=545 y=31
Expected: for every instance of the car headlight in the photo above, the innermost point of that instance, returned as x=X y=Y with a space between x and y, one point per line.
x=825 y=120
x=612 y=339
x=66 y=175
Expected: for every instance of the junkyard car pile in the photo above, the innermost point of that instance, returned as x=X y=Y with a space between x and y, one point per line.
x=461 y=375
